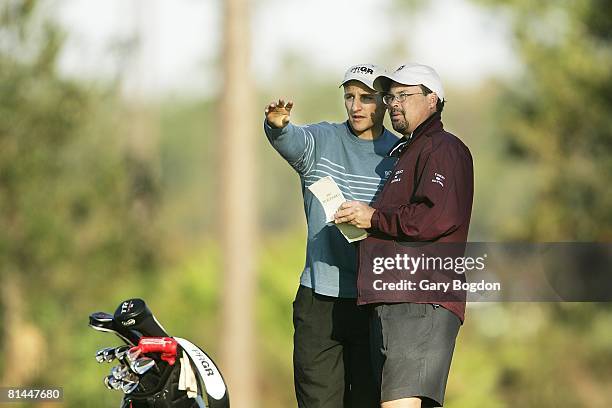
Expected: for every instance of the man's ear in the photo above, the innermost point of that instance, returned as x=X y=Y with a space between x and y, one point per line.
x=433 y=100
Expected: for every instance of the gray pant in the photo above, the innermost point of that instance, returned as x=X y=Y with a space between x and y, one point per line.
x=412 y=349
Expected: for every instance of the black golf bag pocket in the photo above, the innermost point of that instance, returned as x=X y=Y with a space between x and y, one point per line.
x=160 y=390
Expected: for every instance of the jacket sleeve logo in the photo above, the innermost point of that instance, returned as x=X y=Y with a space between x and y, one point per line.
x=439 y=179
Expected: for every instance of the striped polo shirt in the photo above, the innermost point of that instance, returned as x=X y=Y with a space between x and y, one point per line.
x=359 y=167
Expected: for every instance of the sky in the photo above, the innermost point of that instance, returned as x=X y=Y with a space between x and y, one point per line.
x=179 y=40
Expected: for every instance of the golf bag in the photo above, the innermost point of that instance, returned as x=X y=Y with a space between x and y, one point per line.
x=156 y=370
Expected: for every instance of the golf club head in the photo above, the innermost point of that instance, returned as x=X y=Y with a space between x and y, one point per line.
x=109 y=354
x=107 y=382
x=100 y=354
x=114 y=383
x=135 y=315
x=120 y=372
x=128 y=386
x=131 y=377
x=142 y=365
x=100 y=319
x=121 y=352
x=105 y=322
x=132 y=355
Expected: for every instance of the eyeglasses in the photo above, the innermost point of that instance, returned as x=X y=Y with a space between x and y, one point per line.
x=388 y=99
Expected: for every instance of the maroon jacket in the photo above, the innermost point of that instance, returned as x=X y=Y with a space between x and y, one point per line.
x=426 y=200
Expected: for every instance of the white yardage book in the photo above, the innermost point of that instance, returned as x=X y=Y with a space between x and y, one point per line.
x=329 y=195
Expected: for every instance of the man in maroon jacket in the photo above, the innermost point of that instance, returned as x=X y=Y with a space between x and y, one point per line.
x=421 y=215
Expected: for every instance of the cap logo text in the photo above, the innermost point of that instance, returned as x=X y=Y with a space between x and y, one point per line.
x=363 y=70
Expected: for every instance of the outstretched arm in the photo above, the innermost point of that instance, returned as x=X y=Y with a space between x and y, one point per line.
x=295 y=143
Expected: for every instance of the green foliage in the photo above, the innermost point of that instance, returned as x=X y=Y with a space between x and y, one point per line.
x=66 y=192
x=70 y=222
x=556 y=119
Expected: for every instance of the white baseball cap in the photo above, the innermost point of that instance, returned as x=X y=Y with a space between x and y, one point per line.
x=412 y=74
x=364 y=73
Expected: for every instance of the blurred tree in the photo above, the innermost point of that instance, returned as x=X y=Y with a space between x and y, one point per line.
x=556 y=116
x=554 y=125
x=237 y=222
x=142 y=130
x=68 y=225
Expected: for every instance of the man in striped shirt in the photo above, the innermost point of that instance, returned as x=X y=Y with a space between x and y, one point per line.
x=331 y=356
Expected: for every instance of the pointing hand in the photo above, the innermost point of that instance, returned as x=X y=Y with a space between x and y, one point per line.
x=278 y=113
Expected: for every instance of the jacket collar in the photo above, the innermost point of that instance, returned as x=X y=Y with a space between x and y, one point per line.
x=431 y=125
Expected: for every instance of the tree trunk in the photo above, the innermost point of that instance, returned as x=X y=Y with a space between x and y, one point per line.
x=23 y=343
x=238 y=213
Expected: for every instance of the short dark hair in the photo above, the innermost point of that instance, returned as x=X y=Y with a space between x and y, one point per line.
x=439 y=104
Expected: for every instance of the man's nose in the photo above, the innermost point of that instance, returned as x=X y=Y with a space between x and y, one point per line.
x=356 y=105
x=393 y=103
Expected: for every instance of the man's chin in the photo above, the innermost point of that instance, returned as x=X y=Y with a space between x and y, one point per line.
x=398 y=126
x=359 y=128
